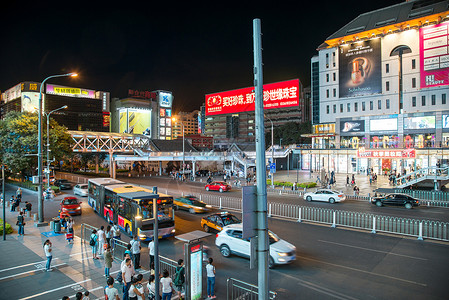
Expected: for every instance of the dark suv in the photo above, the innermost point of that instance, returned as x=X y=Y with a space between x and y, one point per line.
x=396 y=199
x=63 y=184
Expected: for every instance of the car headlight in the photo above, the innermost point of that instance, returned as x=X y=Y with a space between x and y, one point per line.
x=282 y=254
x=64 y=208
x=78 y=208
x=208 y=206
x=173 y=231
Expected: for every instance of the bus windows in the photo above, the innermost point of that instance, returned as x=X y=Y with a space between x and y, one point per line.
x=108 y=198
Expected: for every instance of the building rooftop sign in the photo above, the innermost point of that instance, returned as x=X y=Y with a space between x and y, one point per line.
x=276 y=95
x=69 y=91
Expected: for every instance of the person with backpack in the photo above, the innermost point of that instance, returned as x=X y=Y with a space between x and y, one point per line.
x=94 y=243
x=110 y=292
x=21 y=223
x=179 y=278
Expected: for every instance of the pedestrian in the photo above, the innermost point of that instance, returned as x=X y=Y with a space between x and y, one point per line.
x=353 y=180
x=94 y=243
x=48 y=254
x=21 y=223
x=19 y=194
x=151 y=286
x=86 y=295
x=135 y=249
x=28 y=206
x=69 y=229
x=12 y=203
x=115 y=233
x=210 y=272
x=167 y=286
x=108 y=259
x=151 y=251
x=110 y=291
x=127 y=273
x=136 y=289
x=179 y=277
x=101 y=240
x=65 y=298
x=347 y=180
x=108 y=235
x=79 y=296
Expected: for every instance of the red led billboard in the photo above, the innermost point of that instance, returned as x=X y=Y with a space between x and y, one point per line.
x=275 y=95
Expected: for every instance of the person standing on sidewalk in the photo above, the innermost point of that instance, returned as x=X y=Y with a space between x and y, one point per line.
x=127 y=273
x=101 y=240
x=210 y=272
x=110 y=291
x=115 y=234
x=135 y=249
x=151 y=251
x=19 y=194
x=94 y=243
x=48 y=254
x=108 y=234
x=21 y=223
x=108 y=259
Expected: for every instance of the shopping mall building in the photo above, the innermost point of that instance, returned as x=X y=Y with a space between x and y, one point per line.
x=379 y=91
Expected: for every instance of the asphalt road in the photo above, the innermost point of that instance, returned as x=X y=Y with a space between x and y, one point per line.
x=332 y=263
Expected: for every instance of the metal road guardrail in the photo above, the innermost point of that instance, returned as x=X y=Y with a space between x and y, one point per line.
x=395 y=225
x=240 y=290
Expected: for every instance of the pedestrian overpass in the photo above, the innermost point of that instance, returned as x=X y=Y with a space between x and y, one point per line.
x=431 y=178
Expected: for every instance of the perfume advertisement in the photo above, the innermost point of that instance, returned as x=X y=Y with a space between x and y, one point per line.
x=360 y=69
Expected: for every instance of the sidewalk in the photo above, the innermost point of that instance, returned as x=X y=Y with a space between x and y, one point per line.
x=22 y=269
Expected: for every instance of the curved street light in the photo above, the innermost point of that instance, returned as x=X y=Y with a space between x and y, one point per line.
x=40 y=201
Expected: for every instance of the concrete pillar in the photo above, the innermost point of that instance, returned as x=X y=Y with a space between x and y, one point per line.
x=111 y=165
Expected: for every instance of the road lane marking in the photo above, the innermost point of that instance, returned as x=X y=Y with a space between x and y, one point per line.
x=372 y=250
x=28 y=272
x=367 y=272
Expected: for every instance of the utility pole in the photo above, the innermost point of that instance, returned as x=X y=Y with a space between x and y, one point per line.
x=261 y=207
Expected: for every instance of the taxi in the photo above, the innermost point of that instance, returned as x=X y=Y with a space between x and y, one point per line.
x=216 y=222
x=191 y=204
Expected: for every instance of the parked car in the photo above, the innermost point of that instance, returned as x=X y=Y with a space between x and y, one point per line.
x=71 y=206
x=325 y=195
x=192 y=204
x=81 y=189
x=63 y=184
x=230 y=241
x=218 y=186
x=397 y=199
x=217 y=221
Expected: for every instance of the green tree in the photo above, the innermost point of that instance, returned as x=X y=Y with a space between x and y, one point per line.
x=18 y=141
x=290 y=133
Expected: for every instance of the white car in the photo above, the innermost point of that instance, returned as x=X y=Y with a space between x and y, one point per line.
x=80 y=189
x=230 y=241
x=325 y=195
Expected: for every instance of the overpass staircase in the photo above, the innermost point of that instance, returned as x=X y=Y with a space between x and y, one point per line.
x=431 y=177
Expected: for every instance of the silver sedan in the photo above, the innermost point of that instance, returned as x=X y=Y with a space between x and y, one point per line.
x=325 y=195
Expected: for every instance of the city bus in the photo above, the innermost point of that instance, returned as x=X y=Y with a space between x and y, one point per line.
x=131 y=207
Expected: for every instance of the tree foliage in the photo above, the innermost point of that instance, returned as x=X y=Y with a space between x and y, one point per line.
x=18 y=141
x=290 y=133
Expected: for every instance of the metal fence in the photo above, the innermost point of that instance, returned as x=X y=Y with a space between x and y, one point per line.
x=240 y=290
x=425 y=195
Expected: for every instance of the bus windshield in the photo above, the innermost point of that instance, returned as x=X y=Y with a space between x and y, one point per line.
x=165 y=210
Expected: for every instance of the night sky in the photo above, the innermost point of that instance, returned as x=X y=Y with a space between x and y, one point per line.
x=187 y=47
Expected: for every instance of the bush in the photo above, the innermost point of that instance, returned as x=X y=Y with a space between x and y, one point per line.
x=307 y=184
x=8 y=228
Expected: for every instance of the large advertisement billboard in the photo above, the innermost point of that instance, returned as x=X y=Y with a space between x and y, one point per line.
x=434 y=55
x=135 y=121
x=360 y=70
x=275 y=95
x=69 y=91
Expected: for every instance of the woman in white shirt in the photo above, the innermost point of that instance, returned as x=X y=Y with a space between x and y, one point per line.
x=167 y=285
x=136 y=289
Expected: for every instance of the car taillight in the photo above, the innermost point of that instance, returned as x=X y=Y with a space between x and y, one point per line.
x=216 y=235
x=340 y=196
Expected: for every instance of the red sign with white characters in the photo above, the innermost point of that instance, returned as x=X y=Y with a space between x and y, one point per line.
x=386 y=153
x=275 y=95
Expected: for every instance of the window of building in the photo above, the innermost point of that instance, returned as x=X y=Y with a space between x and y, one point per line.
x=423 y=100
x=327 y=93
x=387 y=104
x=379 y=104
x=387 y=86
x=387 y=68
x=413 y=101
x=413 y=82
x=371 y=105
x=363 y=106
x=327 y=60
x=327 y=109
x=434 y=99
x=341 y=108
x=334 y=76
x=413 y=64
x=349 y=107
x=443 y=99
x=334 y=92
x=333 y=59
x=335 y=108
x=327 y=77
x=356 y=106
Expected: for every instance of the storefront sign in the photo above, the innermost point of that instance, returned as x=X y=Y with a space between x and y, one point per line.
x=360 y=69
x=352 y=126
x=141 y=94
x=375 y=153
x=383 y=124
x=165 y=99
x=324 y=128
x=69 y=91
x=275 y=95
x=434 y=55
x=419 y=122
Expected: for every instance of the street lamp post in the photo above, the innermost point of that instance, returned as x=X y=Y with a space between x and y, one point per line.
x=48 y=143
x=39 y=150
